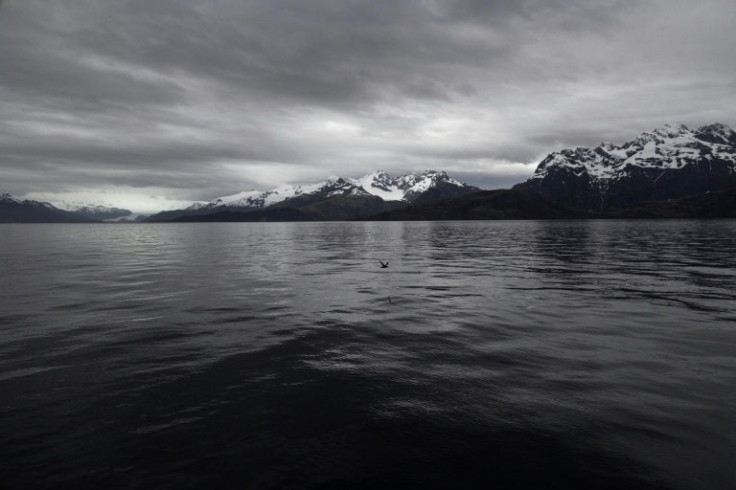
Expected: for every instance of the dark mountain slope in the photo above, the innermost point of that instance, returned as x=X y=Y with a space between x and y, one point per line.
x=346 y=206
x=256 y=216
x=484 y=205
x=711 y=205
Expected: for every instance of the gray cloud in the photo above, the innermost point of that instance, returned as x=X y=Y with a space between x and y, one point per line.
x=207 y=98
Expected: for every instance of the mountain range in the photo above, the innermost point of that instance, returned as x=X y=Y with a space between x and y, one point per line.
x=14 y=210
x=95 y=212
x=336 y=198
x=670 y=162
x=669 y=172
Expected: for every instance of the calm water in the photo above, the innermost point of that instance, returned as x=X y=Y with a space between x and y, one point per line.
x=488 y=355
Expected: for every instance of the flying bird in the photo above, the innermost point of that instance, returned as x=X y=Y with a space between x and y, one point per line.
x=383 y=266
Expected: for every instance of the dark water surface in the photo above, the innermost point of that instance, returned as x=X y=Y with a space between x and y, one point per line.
x=510 y=355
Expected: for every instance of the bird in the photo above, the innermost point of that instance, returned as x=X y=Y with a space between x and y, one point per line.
x=383 y=266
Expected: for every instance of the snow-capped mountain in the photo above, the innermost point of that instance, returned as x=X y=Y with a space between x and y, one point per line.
x=379 y=183
x=336 y=197
x=669 y=162
x=412 y=187
x=93 y=211
x=262 y=199
x=14 y=210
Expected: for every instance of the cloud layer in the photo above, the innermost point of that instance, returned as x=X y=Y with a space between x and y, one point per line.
x=190 y=100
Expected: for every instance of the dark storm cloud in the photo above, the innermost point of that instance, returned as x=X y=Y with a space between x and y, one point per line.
x=219 y=95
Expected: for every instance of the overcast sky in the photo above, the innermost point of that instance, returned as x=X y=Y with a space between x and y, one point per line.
x=142 y=102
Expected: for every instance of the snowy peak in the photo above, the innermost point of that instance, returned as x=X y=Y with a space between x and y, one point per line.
x=261 y=199
x=66 y=211
x=672 y=146
x=669 y=162
x=716 y=133
x=381 y=184
x=335 y=198
x=671 y=131
x=8 y=199
x=93 y=211
x=405 y=187
x=14 y=210
x=378 y=183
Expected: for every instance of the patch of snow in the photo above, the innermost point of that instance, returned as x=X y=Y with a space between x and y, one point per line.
x=380 y=183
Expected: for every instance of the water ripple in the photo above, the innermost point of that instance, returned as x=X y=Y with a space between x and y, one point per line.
x=509 y=354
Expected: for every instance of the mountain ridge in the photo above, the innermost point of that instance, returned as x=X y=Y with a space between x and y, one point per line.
x=333 y=198
x=666 y=163
x=15 y=210
x=671 y=171
x=93 y=211
x=500 y=204
x=377 y=183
